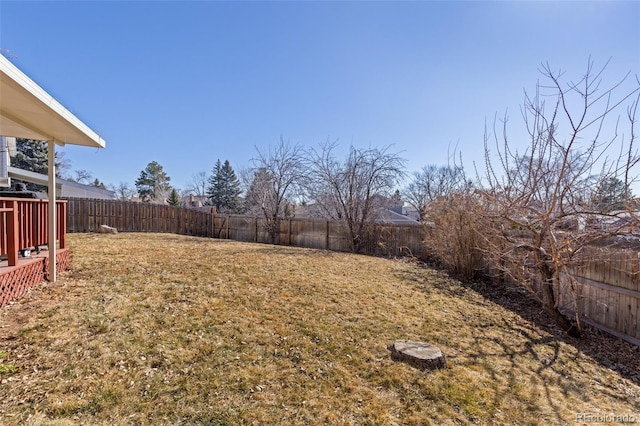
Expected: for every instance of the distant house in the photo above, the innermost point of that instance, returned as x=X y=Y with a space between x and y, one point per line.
x=382 y=215
x=64 y=188
x=392 y=217
x=197 y=202
x=307 y=211
x=411 y=212
x=193 y=201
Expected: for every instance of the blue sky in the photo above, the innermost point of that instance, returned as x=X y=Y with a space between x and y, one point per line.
x=185 y=83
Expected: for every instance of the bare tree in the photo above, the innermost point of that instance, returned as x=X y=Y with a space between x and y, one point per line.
x=278 y=176
x=198 y=184
x=432 y=183
x=354 y=189
x=123 y=191
x=537 y=201
x=82 y=176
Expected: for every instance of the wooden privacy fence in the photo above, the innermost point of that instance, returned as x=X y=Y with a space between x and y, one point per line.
x=384 y=240
x=86 y=215
x=601 y=288
x=607 y=294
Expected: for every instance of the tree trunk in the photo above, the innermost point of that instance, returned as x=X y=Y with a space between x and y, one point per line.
x=549 y=300
x=564 y=323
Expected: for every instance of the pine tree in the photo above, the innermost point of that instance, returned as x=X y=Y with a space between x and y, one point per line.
x=153 y=184
x=611 y=194
x=224 y=187
x=215 y=189
x=32 y=155
x=174 y=198
x=232 y=187
x=98 y=184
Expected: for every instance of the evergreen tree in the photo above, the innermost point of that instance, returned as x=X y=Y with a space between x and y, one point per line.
x=153 y=184
x=232 y=187
x=224 y=187
x=32 y=155
x=215 y=189
x=174 y=198
x=98 y=184
x=611 y=194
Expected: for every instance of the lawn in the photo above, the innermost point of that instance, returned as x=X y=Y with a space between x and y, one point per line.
x=166 y=329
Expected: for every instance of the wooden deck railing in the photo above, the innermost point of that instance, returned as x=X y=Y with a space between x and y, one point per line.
x=24 y=225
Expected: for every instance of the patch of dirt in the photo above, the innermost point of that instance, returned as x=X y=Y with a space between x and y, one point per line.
x=27 y=308
x=36 y=300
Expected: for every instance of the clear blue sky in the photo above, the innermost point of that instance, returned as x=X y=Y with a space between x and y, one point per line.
x=185 y=83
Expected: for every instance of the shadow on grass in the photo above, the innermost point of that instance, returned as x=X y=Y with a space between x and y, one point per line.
x=535 y=353
x=608 y=351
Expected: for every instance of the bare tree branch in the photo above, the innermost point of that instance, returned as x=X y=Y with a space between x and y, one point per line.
x=543 y=200
x=355 y=189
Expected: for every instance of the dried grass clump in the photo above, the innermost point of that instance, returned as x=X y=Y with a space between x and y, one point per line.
x=165 y=329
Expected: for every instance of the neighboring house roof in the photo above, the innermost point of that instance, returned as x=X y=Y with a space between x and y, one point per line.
x=412 y=213
x=66 y=188
x=312 y=211
x=309 y=211
x=392 y=217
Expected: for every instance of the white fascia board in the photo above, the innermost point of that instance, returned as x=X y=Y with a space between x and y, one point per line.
x=49 y=101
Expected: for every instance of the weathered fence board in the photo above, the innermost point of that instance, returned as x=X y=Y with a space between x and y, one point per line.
x=87 y=216
x=608 y=291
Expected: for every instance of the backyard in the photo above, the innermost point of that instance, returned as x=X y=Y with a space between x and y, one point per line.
x=168 y=329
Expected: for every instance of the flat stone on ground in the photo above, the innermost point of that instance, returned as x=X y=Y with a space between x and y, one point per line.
x=104 y=229
x=421 y=355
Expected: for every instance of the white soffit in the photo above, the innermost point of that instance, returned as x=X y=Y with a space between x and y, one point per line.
x=28 y=111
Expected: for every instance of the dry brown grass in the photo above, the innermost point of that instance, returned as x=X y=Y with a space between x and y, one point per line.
x=164 y=329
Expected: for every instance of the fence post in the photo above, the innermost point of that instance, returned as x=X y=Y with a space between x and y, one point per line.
x=326 y=242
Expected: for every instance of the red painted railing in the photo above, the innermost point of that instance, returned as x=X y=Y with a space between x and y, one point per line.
x=24 y=224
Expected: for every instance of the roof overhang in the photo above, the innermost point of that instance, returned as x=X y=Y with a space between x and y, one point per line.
x=63 y=185
x=32 y=177
x=28 y=111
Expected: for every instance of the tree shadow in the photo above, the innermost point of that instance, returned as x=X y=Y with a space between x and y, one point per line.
x=605 y=350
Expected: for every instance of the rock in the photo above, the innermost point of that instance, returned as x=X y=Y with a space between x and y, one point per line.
x=104 y=229
x=420 y=355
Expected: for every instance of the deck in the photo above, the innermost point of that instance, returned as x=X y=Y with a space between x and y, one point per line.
x=24 y=225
